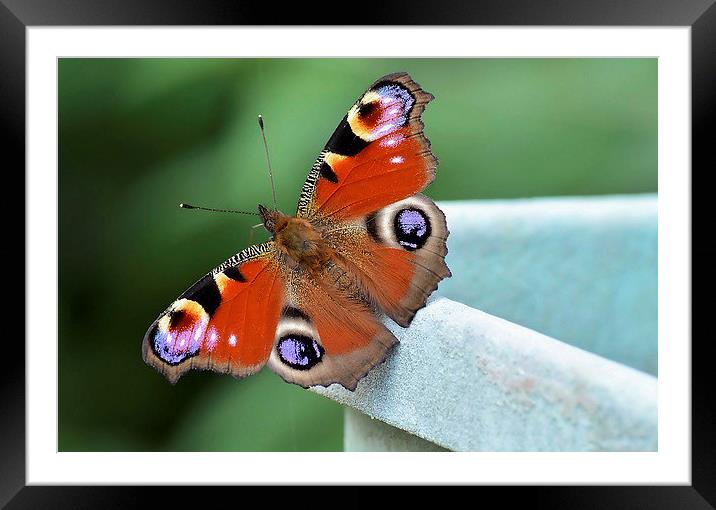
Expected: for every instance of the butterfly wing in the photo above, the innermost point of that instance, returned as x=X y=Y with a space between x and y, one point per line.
x=396 y=254
x=327 y=334
x=377 y=155
x=225 y=322
x=363 y=193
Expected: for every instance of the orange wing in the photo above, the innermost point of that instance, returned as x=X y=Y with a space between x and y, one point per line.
x=224 y=322
x=395 y=256
x=377 y=155
x=363 y=194
x=326 y=333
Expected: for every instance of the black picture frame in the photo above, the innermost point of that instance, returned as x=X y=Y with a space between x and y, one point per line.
x=700 y=15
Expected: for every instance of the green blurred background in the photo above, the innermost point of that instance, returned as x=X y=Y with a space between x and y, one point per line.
x=139 y=136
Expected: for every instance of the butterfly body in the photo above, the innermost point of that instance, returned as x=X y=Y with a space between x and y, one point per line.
x=363 y=243
x=298 y=241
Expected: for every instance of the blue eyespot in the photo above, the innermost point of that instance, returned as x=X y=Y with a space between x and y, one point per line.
x=299 y=352
x=175 y=346
x=412 y=228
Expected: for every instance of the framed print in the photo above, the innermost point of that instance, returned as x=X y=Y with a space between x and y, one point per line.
x=123 y=123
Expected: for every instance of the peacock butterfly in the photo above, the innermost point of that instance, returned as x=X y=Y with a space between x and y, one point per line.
x=363 y=242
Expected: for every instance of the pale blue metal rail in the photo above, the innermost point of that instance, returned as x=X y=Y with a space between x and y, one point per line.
x=581 y=274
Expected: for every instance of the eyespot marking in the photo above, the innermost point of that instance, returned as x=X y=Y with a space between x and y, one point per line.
x=381 y=111
x=392 y=93
x=178 y=334
x=299 y=352
x=412 y=228
x=181 y=340
x=175 y=318
x=366 y=109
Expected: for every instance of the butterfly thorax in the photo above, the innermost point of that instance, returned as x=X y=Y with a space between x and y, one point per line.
x=297 y=239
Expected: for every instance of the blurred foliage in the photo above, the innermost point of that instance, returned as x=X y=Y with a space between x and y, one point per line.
x=139 y=136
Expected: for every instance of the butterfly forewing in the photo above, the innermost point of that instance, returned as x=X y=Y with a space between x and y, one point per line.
x=224 y=322
x=376 y=156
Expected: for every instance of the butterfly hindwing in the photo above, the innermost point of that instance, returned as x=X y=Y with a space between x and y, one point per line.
x=415 y=231
x=328 y=334
x=224 y=322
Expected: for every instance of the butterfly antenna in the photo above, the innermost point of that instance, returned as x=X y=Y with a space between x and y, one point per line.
x=268 y=160
x=189 y=206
